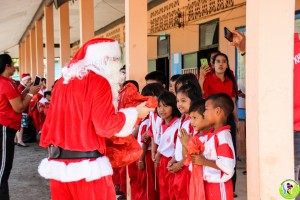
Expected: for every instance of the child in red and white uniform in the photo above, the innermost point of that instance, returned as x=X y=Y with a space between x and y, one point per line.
x=192 y=145
x=186 y=95
x=43 y=107
x=218 y=158
x=84 y=104
x=169 y=114
x=24 y=83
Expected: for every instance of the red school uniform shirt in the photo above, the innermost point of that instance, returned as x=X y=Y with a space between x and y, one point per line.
x=218 y=147
x=8 y=117
x=296 y=82
x=214 y=84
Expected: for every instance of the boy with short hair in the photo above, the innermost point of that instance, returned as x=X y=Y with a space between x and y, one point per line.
x=173 y=80
x=156 y=77
x=218 y=159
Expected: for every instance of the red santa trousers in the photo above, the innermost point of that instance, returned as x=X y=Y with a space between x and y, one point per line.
x=219 y=191
x=142 y=182
x=102 y=188
x=181 y=184
x=165 y=180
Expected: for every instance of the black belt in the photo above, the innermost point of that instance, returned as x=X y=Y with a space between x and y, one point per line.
x=59 y=153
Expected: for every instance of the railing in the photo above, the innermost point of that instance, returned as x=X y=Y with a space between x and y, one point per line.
x=190 y=70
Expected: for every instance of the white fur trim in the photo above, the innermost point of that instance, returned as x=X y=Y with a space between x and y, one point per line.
x=102 y=58
x=102 y=50
x=109 y=68
x=131 y=117
x=25 y=78
x=86 y=169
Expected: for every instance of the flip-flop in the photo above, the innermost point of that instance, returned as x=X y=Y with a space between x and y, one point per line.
x=21 y=145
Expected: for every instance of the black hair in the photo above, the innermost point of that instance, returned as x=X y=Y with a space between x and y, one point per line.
x=223 y=101
x=157 y=76
x=5 y=59
x=153 y=89
x=228 y=72
x=212 y=52
x=190 y=91
x=175 y=77
x=188 y=79
x=47 y=93
x=136 y=84
x=198 y=106
x=123 y=69
x=169 y=99
x=44 y=79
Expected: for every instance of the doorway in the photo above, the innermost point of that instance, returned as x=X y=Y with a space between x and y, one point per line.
x=162 y=64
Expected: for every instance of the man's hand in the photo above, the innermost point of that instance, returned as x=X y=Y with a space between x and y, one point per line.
x=143 y=110
x=239 y=40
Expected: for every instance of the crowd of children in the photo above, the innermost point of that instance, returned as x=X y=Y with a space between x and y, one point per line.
x=195 y=108
x=34 y=115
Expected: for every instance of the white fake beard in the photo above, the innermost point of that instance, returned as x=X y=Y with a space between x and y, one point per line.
x=109 y=69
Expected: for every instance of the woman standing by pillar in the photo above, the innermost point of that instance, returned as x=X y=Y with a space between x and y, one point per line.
x=12 y=103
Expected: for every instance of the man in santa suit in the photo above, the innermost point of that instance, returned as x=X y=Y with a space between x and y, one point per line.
x=83 y=112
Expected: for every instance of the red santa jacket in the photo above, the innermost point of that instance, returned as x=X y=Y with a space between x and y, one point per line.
x=82 y=114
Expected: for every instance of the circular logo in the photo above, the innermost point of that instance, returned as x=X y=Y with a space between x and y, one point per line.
x=289 y=189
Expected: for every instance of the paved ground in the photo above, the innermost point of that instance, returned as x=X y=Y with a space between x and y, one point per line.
x=26 y=184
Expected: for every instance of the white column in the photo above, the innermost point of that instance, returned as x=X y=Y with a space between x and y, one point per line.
x=269 y=98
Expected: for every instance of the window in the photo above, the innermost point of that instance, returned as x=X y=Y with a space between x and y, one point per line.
x=151 y=65
x=209 y=35
x=163 y=44
x=190 y=60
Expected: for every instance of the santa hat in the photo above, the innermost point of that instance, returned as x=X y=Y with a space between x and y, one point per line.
x=24 y=77
x=100 y=55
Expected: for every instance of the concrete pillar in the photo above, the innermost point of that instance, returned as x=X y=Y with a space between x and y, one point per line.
x=20 y=58
x=49 y=44
x=269 y=101
x=64 y=34
x=136 y=40
x=39 y=47
x=23 y=58
x=33 y=53
x=86 y=20
x=135 y=45
x=27 y=55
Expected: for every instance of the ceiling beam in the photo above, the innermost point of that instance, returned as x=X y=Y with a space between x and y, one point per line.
x=38 y=15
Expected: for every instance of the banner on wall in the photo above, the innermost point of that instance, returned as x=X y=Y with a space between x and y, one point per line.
x=176 y=63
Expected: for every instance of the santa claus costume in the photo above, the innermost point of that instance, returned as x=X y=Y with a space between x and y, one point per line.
x=82 y=114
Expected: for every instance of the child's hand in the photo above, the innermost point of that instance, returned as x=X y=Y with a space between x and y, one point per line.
x=170 y=164
x=184 y=138
x=141 y=165
x=176 y=167
x=145 y=136
x=198 y=159
x=157 y=159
